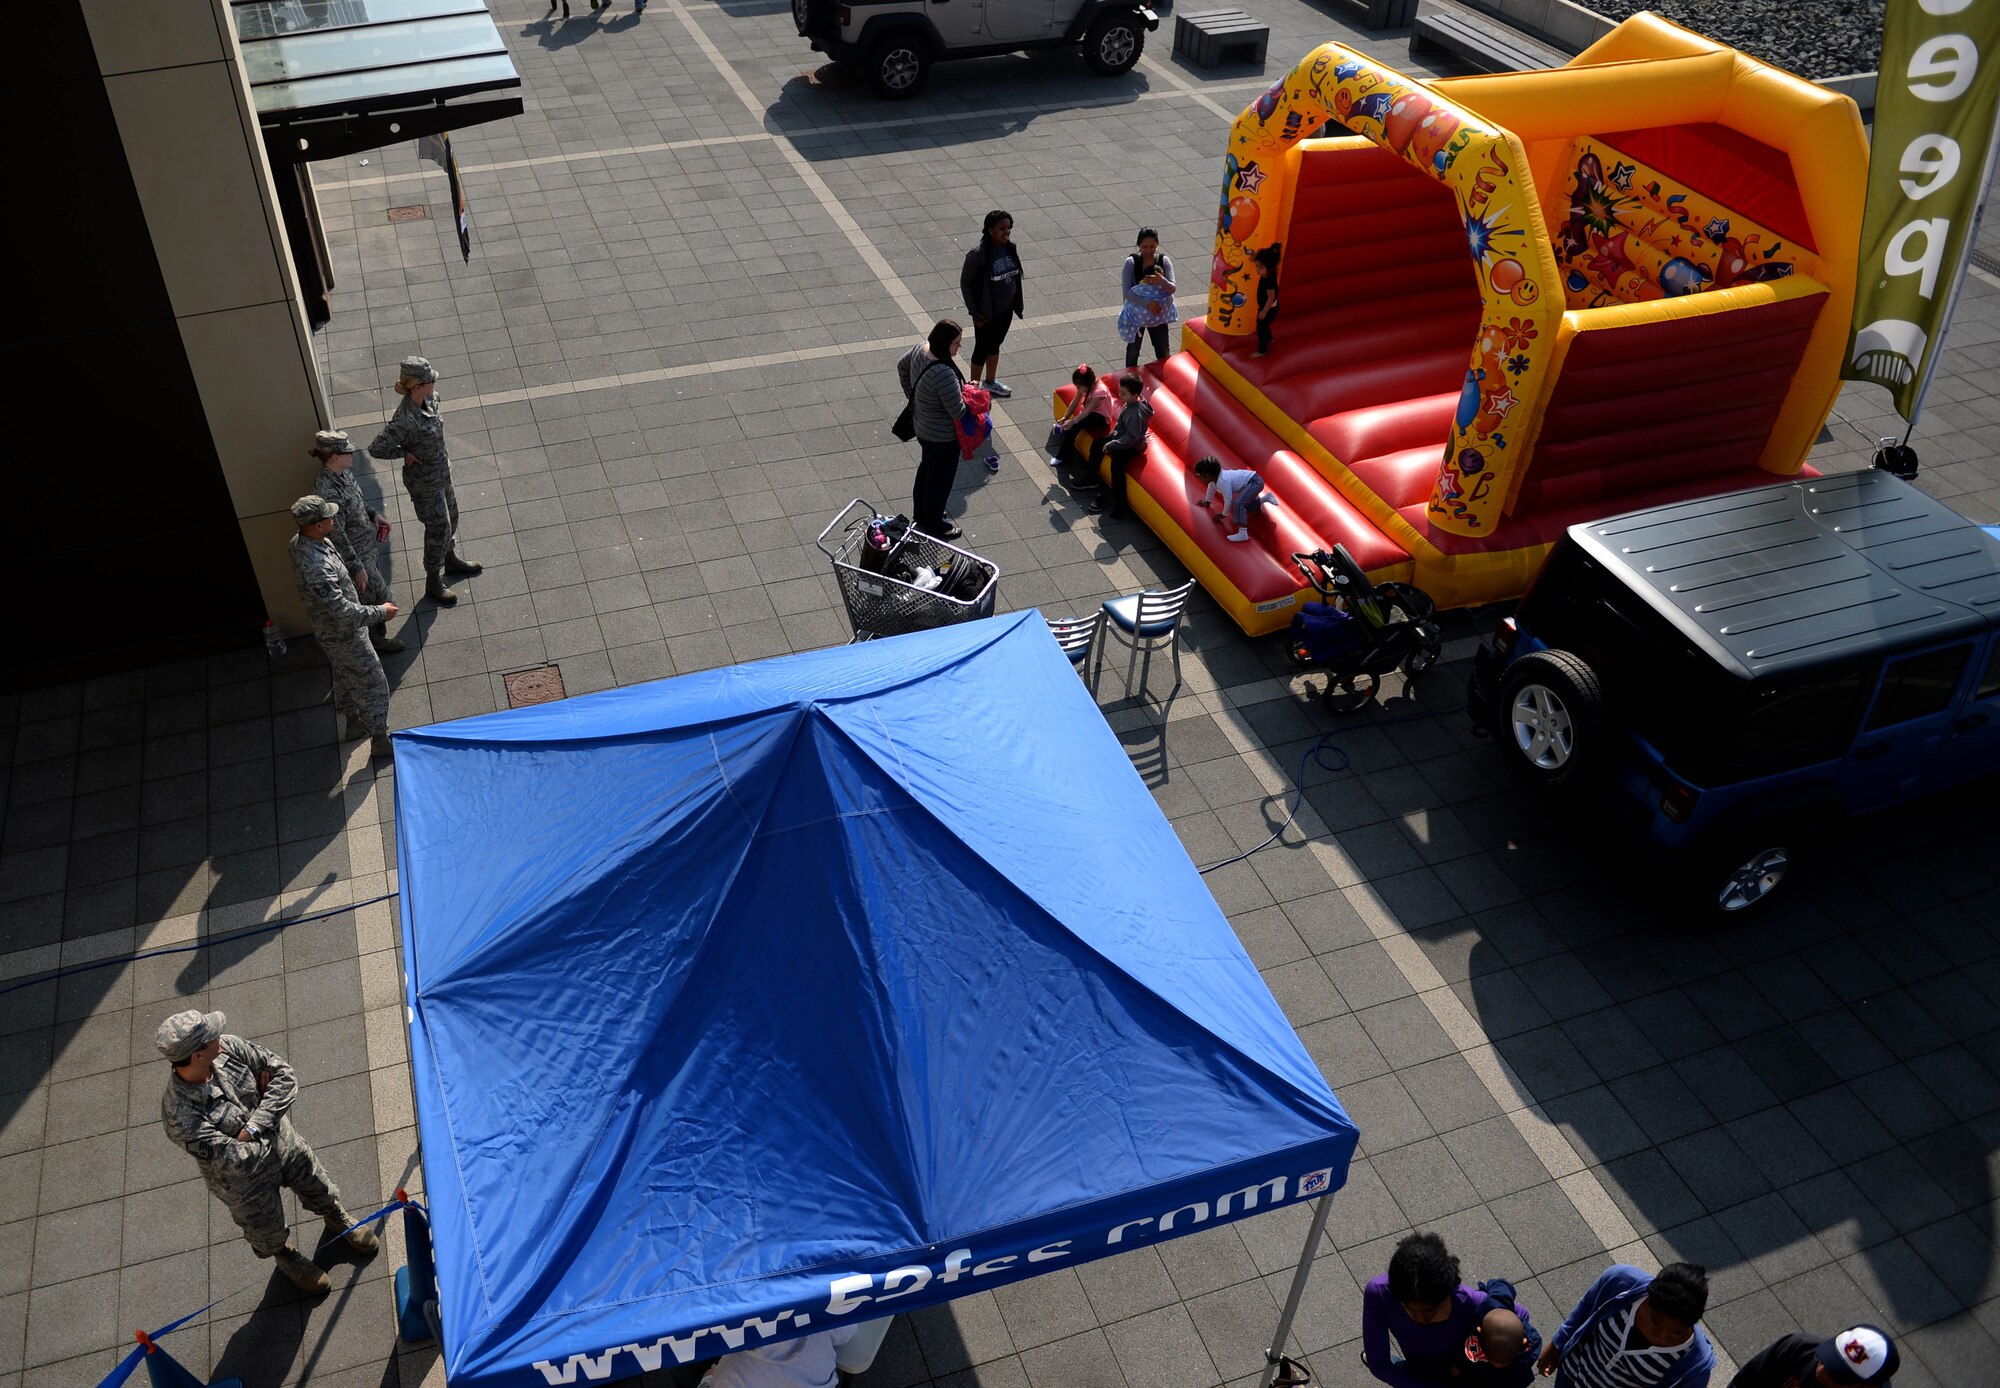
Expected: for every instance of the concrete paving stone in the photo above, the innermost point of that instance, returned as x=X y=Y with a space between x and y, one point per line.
x=1236 y=1324
x=1302 y=987
x=1365 y=975
x=1385 y=1113
x=1851 y=1052
x=1893 y=1276
x=1202 y=1262
x=1328 y=923
x=960 y=1334
x=1715 y=1168
x=1161 y=1346
x=1960 y=1252
x=17 y=1244
x=1127 y=1285
x=1405 y=1028
x=1904 y=1104
x=69 y=1318
x=82 y=1172
x=1547 y=1063
x=1779 y=1146
x=1961 y=1083
x=1960 y=1161
x=1544 y=1227
x=1773 y=1237
x=1449 y=1094
x=1660 y=1103
x=1901 y=1025
x=1744 y=1326
x=1957 y=1349
x=1044 y=1309
x=1081 y=1361
x=1566 y=989
x=1704 y=1242
x=1725 y=1083
x=1425 y=1181
x=1607 y=1040
x=78 y=1242
x=1503 y=1002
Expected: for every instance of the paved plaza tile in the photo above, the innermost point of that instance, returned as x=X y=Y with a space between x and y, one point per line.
x=665 y=368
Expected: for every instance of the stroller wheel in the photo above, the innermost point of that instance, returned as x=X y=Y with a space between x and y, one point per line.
x=1430 y=644
x=1349 y=693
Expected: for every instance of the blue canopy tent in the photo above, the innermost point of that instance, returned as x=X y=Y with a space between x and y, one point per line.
x=801 y=993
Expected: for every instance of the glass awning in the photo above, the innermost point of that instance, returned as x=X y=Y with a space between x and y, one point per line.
x=312 y=59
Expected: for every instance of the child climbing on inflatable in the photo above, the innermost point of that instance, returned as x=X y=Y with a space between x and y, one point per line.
x=1236 y=491
x=1267 y=297
x=1095 y=405
x=975 y=426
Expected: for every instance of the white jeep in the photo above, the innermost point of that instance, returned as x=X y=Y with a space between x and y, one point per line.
x=898 y=40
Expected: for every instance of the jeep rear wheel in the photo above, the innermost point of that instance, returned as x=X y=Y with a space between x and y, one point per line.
x=802 y=15
x=898 y=65
x=1114 y=43
x=1549 y=706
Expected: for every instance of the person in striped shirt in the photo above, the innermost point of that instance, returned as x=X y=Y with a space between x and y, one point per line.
x=1635 y=1331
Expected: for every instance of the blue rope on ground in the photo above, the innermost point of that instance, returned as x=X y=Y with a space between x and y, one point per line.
x=1319 y=753
x=135 y=1356
x=264 y=929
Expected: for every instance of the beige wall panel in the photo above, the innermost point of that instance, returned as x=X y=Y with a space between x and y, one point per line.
x=266 y=537
x=198 y=182
x=139 y=35
x=258 y=397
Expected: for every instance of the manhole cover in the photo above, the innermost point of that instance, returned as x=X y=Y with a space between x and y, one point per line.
x=541 y=685
x=414 y=213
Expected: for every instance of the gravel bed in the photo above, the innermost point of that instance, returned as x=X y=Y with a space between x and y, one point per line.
x=1814 y=38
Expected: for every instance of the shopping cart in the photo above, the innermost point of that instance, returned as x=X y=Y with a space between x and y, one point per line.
x=895 y=579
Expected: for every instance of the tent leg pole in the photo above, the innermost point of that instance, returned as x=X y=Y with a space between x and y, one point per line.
x=1277 y=1350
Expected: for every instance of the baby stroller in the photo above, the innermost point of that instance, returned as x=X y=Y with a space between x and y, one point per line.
x=1359 y=631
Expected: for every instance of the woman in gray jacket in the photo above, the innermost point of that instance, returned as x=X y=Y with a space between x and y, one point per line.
x=936 y=399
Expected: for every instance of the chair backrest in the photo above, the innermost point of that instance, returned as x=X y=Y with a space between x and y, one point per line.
x=1073 y=634
x=1155 y=607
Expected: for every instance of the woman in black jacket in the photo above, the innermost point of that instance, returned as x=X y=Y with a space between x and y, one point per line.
x=990 y=284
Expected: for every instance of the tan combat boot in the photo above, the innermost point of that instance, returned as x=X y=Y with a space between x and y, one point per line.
x=301 y=1272
x=435 y=590
x=360 y=1240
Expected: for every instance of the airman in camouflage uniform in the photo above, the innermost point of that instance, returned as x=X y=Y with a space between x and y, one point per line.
x=354 y=528
x=339 y=620
x=226 y=1104
x=416 y=431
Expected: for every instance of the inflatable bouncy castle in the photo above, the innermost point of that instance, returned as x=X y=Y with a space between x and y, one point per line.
x=1506 y=304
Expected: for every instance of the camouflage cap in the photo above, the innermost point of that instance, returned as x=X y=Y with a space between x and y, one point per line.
x=308 y=510
x=184 y=1033
x=416 y=369
x=332 y=441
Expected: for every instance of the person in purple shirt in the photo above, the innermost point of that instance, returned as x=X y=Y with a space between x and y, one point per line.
x=1428 y=1311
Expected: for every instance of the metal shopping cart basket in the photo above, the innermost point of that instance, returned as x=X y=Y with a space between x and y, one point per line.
x=896 y=579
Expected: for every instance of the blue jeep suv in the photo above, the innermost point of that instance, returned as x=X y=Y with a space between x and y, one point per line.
x=1738 y=671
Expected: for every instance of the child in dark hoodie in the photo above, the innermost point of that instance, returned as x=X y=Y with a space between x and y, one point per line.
x=1126 y=442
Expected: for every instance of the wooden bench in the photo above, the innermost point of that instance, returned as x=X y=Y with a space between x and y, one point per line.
x=1208 y=37
x=1488 y=43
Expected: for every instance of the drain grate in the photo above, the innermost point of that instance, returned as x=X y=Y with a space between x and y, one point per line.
x=1987 y=261
x=415 y=212
x=541 y=685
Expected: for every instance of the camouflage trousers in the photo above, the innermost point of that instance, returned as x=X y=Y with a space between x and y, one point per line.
x=254 y=1199
x=360 y=688
x=436 y=505
x=370 y=560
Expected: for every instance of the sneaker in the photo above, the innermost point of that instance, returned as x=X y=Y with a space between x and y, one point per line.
x=1096 y=507
x=947 y=531
x=1240 y=536
x=1000 y=390
x=993 y=462
x=1055 y=462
